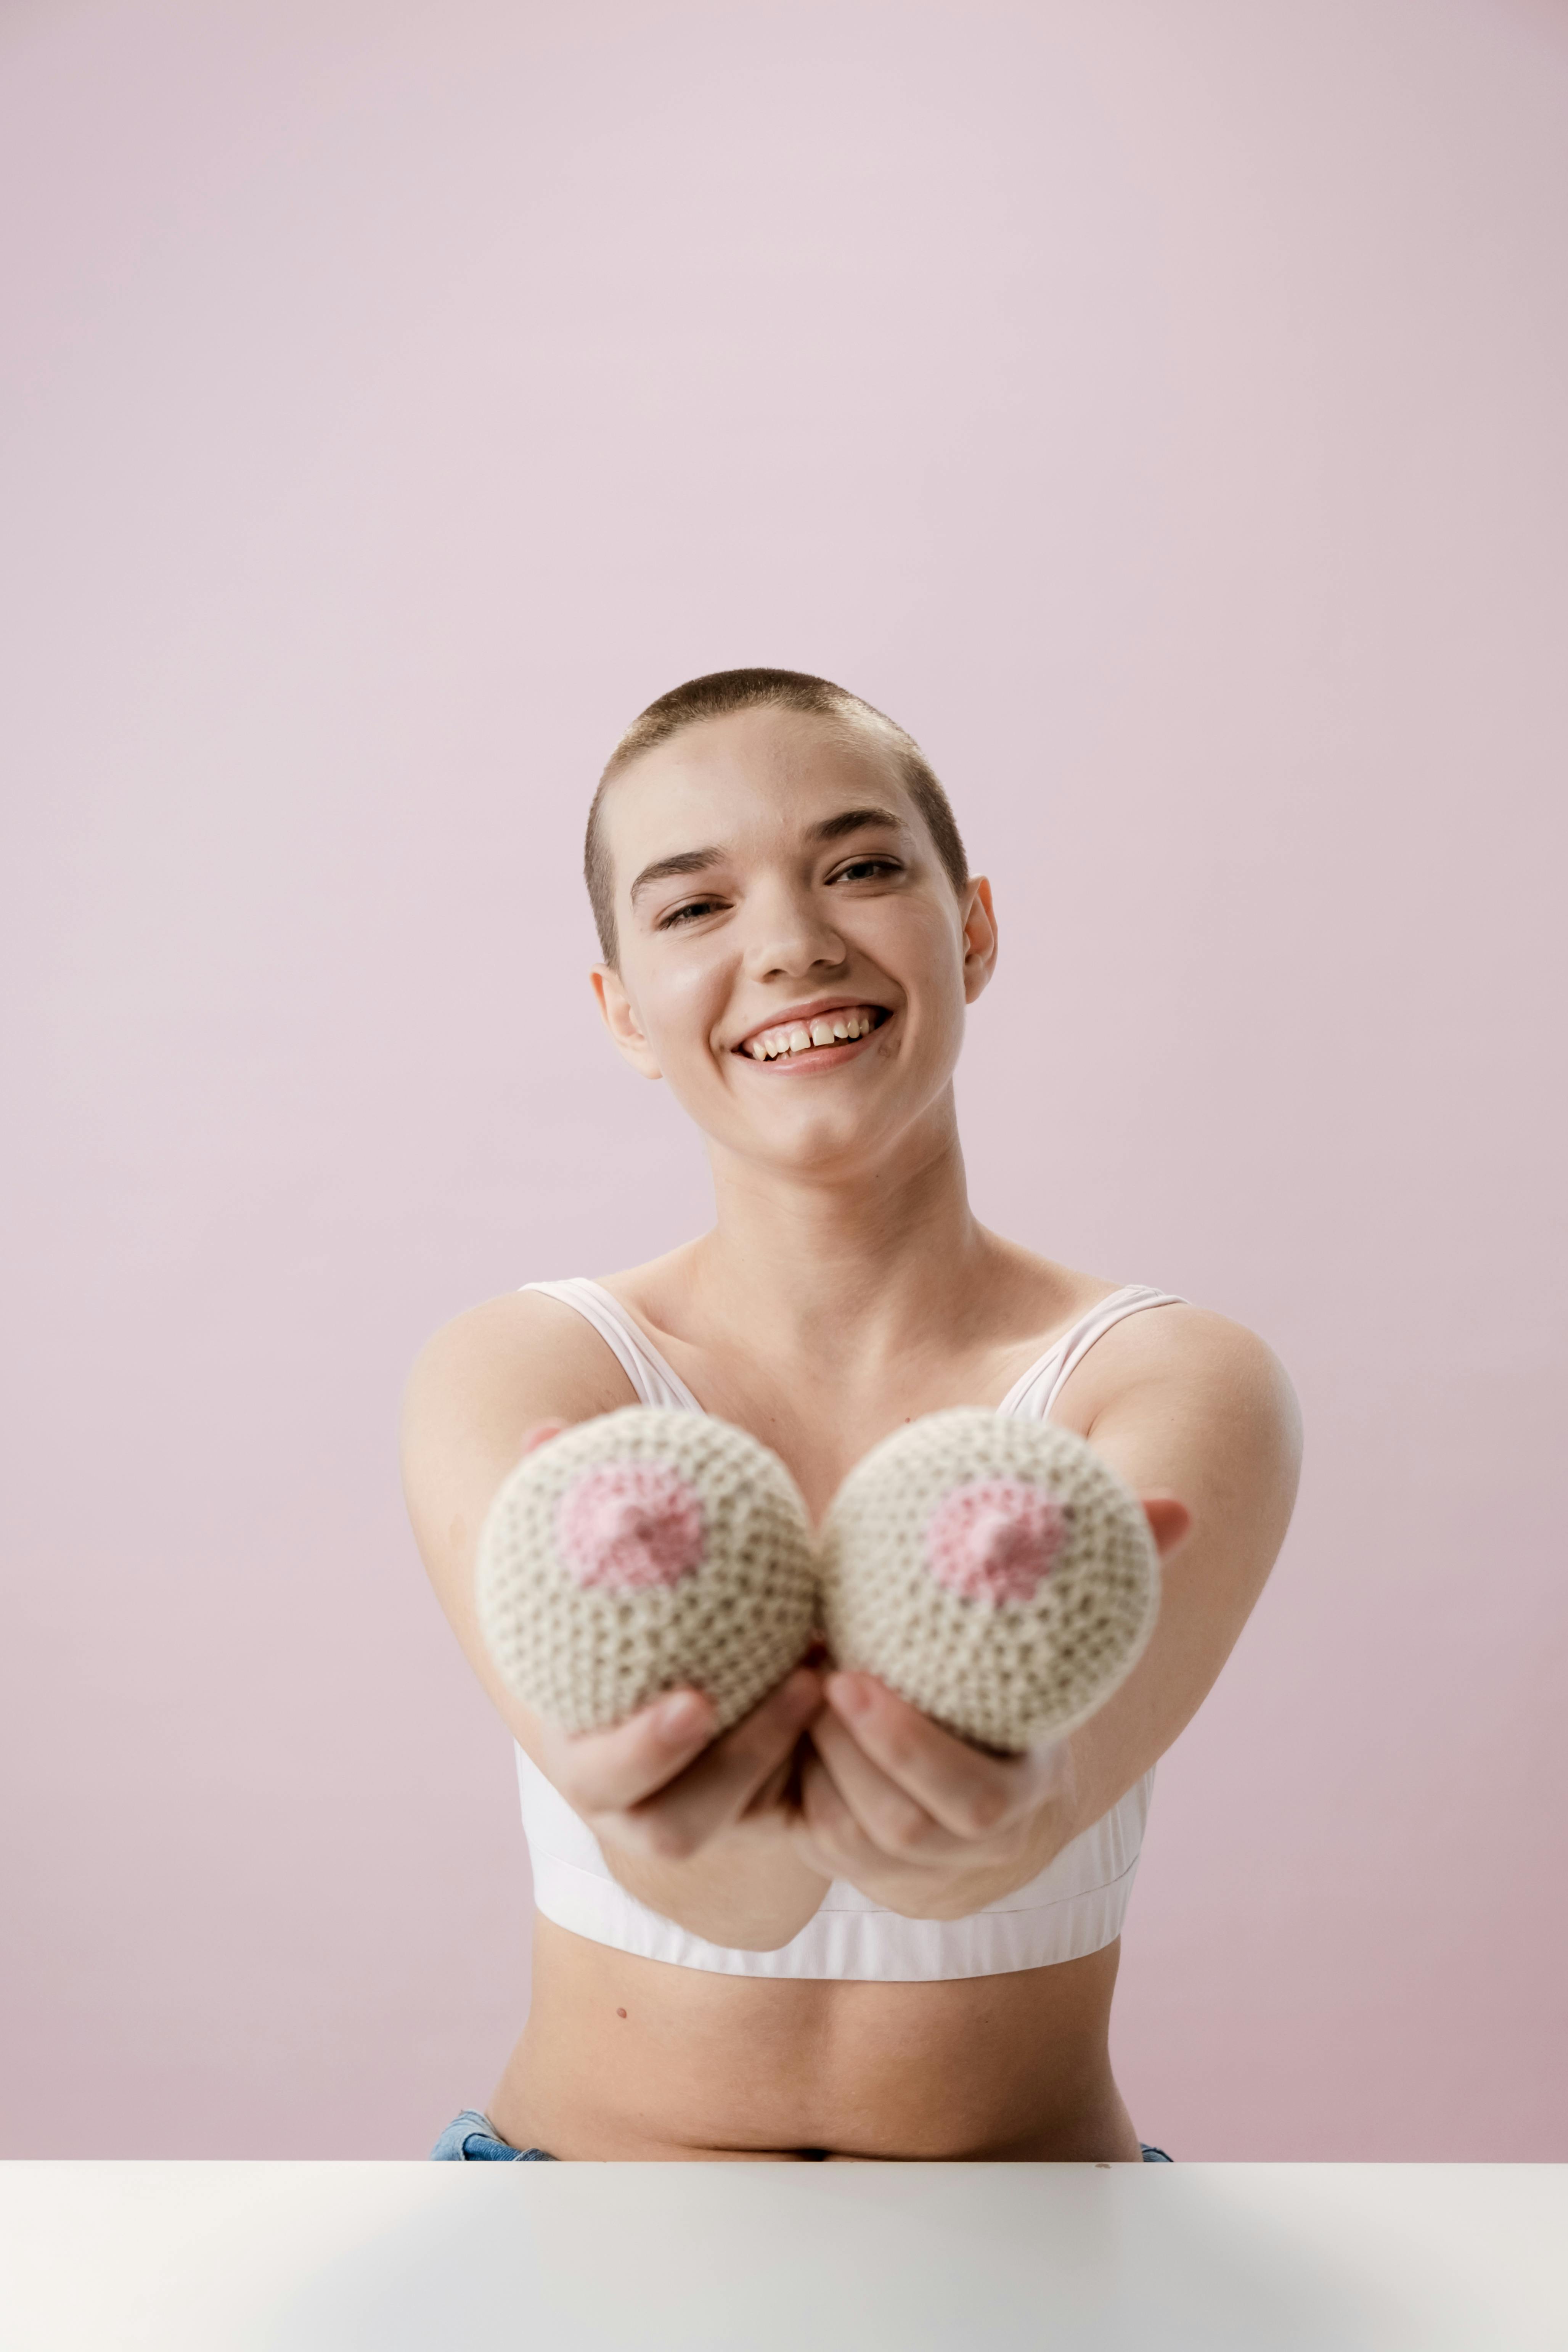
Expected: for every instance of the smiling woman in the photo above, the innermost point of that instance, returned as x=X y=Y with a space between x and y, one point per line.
x=834 y=1928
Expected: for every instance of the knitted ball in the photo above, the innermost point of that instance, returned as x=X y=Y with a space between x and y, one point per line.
x=640 y=1552
x=992 y=1571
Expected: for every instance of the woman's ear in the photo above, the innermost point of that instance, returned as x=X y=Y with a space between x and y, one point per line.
x=621 y=1021
x=979 y=938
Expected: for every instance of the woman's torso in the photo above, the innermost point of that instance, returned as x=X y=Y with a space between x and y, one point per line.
x=629 y=2056
x=628 y=2059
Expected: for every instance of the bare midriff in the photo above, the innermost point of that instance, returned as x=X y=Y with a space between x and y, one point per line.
x=628 y=2058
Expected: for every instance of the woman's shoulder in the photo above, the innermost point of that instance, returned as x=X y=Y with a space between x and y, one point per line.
x=657 y=1292
x=518 y=1358
x=1141 y=1335
x=1183 y=1328
x=1038 y=1301
x=1185 y=1360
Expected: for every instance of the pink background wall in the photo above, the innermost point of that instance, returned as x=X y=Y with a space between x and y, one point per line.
x=1159 y=405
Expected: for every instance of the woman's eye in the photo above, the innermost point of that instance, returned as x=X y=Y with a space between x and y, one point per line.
x=682 y=914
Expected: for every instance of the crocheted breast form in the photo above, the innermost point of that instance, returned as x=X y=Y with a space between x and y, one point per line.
x=639 y=1552
x=992 y=1571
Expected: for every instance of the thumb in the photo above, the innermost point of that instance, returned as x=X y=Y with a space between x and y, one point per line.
x=541 y=1435
x=1170 y=1523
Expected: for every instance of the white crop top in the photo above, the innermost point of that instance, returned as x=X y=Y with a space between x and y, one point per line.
x=1074 y=1906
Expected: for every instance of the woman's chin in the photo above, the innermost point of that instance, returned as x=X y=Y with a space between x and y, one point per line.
x=821 y=1143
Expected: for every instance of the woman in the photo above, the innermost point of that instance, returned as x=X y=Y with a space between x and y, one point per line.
x=836 y=1930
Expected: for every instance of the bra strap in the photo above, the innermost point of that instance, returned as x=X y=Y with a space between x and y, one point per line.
x=656 y=1382
x=1033 y=1396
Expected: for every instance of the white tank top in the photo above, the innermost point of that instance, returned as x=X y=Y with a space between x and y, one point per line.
x=1074 y=1906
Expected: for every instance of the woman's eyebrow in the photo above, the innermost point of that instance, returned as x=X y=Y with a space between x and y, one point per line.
x=685 y=861
x=860 y=820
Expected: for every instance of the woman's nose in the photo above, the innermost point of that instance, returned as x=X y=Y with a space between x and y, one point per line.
x=792 y=934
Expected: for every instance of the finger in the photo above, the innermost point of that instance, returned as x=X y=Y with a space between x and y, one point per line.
x=1170 y=1523
x=541 y=1435
x=772 y=1792
x=897 y=1825
x=605 y=1771
x=829 y=1837
x=680 y=1819
x=969 y=1793
x=807 y=1846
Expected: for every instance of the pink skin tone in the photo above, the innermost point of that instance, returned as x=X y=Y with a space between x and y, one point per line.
x=887 y=1797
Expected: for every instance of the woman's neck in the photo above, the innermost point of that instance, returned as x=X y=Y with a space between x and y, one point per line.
x=845 y=1274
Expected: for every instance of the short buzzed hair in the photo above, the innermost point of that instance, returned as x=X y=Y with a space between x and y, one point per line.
x=724 y=690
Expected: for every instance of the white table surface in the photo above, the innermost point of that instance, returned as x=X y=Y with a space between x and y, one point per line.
x=881 y=2258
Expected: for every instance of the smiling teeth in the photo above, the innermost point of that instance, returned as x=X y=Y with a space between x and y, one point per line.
x=800 y=1036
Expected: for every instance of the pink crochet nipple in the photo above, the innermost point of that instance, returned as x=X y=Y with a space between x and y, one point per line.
x=995 y=1540
x=628 y=1527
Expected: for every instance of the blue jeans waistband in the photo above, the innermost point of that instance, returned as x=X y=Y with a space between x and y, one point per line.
x=472 y=2138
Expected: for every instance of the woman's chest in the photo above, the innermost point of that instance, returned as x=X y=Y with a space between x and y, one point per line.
x=821 y=1420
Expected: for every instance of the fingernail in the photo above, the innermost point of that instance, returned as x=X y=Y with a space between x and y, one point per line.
x=849 y=1692
x=678 y=1717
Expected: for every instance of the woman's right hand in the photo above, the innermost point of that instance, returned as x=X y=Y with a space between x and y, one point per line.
x=659 y=1790
x=661 y=1787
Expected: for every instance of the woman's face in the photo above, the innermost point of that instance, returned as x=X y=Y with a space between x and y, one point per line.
x=793 y=958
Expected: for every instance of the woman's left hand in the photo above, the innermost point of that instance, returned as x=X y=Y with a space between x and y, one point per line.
x=916 y=1818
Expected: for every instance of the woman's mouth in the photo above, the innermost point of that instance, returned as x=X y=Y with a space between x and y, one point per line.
x=815 y=1037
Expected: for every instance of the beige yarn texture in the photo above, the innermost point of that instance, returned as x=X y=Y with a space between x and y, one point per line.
x=1003 y=1674
x=734 y=1626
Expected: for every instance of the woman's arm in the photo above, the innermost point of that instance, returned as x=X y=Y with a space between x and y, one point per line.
x=1180 y=1403
x=693 y=1826
x=1201 y=1410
